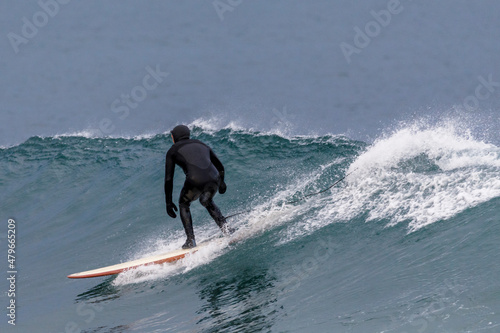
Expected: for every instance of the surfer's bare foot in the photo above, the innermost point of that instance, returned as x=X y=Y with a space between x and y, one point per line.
x=190 y=243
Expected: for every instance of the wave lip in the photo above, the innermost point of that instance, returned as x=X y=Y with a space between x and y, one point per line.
x=425 y=175
x=417 y=175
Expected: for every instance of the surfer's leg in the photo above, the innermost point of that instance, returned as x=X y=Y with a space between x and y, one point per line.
x=206 y=199
x=187 y=222
x=188 y=194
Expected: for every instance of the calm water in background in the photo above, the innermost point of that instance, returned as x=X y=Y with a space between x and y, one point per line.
x=406 y=244
x=263 y=63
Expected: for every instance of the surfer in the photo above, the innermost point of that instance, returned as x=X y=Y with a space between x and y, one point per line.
x=204 y=176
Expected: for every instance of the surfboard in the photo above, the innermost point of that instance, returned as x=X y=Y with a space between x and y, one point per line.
x=152 y=260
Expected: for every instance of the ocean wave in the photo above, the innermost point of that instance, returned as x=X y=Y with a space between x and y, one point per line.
x=198 y=128
x=413 y=177
x=416 y=175
x=423 y=175
x=214 y=125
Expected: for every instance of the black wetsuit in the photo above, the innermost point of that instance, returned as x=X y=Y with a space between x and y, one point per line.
x=204 y=175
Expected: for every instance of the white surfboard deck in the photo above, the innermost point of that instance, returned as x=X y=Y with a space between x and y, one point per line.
x=152 y=260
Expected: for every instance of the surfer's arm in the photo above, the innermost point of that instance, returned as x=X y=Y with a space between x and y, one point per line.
x=169 y=177
x=218 y=164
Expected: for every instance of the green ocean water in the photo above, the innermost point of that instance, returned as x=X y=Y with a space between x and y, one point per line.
x=406 y=243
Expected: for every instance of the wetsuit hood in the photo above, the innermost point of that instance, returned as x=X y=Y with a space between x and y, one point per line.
x=180 y=132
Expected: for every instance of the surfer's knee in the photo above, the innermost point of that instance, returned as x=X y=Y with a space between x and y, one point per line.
x=184 y=204
x=205 y=201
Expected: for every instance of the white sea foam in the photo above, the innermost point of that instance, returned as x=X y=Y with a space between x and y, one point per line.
x=93 y=134
x=468 y=175
x=88 y=133
x=154 y=272
x=215 y=124
x=165 y=244
x=459 y=172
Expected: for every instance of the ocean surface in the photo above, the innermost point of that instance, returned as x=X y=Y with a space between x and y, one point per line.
x=408 y=241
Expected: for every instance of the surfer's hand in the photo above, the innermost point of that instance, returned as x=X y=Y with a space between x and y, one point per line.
x=170 y=210
x=222 y=188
